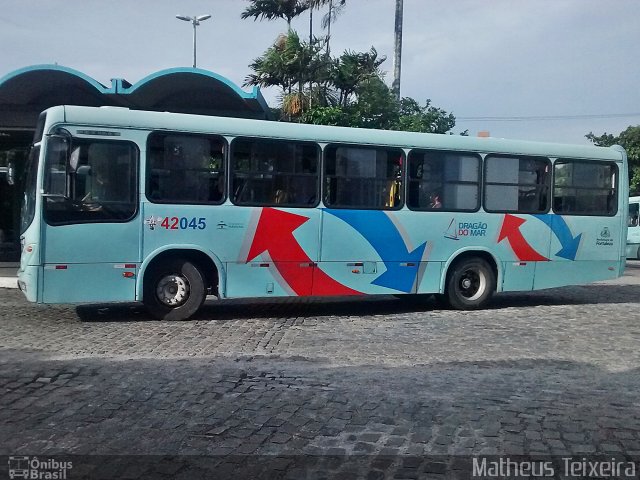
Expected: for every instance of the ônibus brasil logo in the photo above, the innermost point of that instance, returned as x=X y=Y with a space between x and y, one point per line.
x=34 y=468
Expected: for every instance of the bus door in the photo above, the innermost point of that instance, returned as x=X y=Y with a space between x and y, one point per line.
x=90 y=236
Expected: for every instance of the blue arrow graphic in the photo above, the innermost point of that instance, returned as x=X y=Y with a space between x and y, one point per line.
x=384 y=237
x=559 y=227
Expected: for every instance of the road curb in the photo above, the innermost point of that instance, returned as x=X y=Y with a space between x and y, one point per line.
x=8 y=282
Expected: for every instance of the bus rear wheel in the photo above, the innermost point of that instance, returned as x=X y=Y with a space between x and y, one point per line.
x=470 y=284
x=174 y=290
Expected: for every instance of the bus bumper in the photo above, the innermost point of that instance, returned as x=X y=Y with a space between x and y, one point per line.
x=28 y=282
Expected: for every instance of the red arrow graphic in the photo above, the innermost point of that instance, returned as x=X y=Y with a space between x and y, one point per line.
x=274 y=233
x=511 y=231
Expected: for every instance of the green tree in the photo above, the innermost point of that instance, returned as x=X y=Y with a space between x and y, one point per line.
x=272 y=9
x=336 y=7
x=290 y=63
x=630 y=140
x=271 y=69
x=345 y=91
x=353 y=69
x=327 y=115
x=374 y=105
x=427 y=118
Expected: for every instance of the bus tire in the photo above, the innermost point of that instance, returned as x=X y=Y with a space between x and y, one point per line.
x=470 y=284
x=174 y=290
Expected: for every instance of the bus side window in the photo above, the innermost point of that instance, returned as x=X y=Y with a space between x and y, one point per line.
x=186 y=168
x=274 y=172
x=363 y=177
x=441 y=180
x=633 y=215
x=516 y=183
x=584 y=187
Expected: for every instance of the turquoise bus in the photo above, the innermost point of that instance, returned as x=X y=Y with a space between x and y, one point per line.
x=168 y=208
x=633 y=232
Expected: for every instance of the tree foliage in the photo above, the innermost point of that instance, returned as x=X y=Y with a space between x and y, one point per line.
x=272 y=9
x=336 y=7
x=348 y=90
x=427 y=118
x=353 y=69
x=290 y=64
x=629 y=139
x=375 y=106
x=287 y=63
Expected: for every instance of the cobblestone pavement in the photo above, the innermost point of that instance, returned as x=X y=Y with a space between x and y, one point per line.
x=551 y=372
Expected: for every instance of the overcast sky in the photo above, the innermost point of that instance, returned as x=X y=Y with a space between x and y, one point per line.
x=474 y=58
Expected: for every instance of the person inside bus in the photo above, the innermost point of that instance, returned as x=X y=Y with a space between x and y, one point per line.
x=97 y=184
x=217 y=189
x=434 y=201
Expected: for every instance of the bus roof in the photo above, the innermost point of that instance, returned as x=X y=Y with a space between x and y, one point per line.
x=119 y=117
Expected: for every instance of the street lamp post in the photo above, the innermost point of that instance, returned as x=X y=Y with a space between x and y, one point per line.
x=195 y=21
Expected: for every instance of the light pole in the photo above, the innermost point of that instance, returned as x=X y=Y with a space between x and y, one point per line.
x=195 y=21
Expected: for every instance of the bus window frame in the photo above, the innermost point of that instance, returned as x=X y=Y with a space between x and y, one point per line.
x=148 y=169
x=549 y=184
x=266 y=140
x=403 y=175
x=637 y=215
x=587 y=161
x=136 y=184
x=479 y=183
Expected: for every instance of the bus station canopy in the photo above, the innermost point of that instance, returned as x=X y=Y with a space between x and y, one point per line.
x=26 y=92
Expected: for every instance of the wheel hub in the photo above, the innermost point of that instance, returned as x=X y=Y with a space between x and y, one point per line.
x=173 y=290
x=472 y=284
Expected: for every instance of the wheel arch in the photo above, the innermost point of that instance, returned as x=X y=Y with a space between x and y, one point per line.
x=483 y=253
x=211 y=267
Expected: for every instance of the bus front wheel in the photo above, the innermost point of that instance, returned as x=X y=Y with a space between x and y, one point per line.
x=174 y=290
x=470 y=284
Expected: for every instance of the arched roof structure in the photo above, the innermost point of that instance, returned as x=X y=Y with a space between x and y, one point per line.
x=24 y=93
x=192 y=90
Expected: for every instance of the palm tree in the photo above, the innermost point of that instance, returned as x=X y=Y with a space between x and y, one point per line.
x=353 y=69
x=397 y=57
x=289 y=63
x=272 y=9
x=335 y=8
